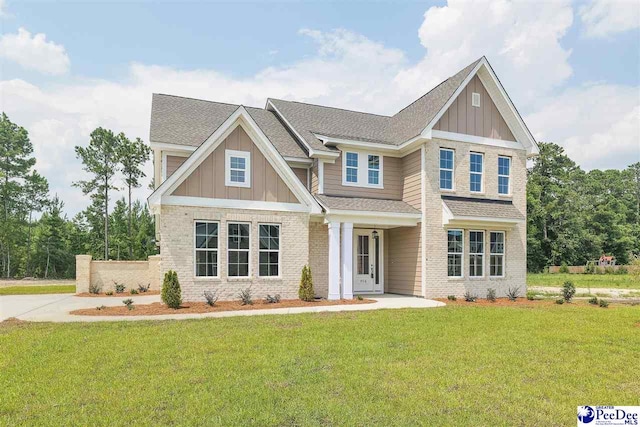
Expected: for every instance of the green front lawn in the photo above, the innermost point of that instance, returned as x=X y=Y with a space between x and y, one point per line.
x=614 y=281
x=36 y=290
x=447 y=366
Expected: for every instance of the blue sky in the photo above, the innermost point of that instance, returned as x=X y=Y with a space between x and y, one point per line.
x=572 y=69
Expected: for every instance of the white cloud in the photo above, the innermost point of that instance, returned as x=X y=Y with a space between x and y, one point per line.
x=603 y=18
x=34 y=52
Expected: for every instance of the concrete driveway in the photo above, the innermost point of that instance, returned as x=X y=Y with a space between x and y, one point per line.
x=56 y=307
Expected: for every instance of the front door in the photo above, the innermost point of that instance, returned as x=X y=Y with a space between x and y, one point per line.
x=366 y=271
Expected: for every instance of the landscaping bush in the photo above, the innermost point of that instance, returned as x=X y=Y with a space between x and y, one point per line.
x=272 y=299
x=469 y=297
x=143 y=288
x=246 y=296
x=129 y=303
x=491 y=295
x=568 y=291
x=211 y=297
x=531 y=295
x=359 y=298
x=590 y=268
x=102 y=307
x=451 y=297
x=94 y=289
x=603 y=303
x=564 y=268
x=593 y=300
x=560 y=301
x=622 y=270
x=134 y=292
x=119 y=287
x=598 y=270
x=512 y=293
x=306 y=293
x=109 y=293
x=171 y=293
x=609 y=270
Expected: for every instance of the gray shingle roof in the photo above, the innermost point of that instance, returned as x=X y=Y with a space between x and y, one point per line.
x=489 y=208
x=363 y=204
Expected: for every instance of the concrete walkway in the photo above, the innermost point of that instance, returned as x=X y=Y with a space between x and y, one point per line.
x=56 y=307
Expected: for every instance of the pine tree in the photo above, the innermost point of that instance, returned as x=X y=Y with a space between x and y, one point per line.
x=306 y=293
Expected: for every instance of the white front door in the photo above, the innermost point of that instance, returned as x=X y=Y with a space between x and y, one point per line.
x=367 y=277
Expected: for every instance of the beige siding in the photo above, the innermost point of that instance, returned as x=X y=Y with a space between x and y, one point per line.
x=392 y=171
x=173 y=163
x=314 y=177
x=485 y=121
x=411 y=179
x=208 y=180
x=404 y=269
x=301 y=173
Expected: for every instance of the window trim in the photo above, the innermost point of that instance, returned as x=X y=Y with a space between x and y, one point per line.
x=504 y=253
x=362 y=170
x=508 y=193
x=279 y=276
x=482 y=254
x=453 y=169
x=227 y=168
x=475 y=99
x=196 y=249
x=249 y=275
x=462 y=264
x=476 y=173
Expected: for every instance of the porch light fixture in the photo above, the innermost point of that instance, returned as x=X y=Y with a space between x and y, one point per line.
x=375 y=235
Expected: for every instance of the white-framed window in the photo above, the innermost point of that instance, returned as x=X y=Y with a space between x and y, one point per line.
x=237 y=168
x=496 y=254
x=362 y=170
x=476 y=253
x=476 y=165
x=238 y=249
x=475 y=99
x=504 y=172
x=447 y=158
x=269 y=251
x=206 y=248
x=455 y=249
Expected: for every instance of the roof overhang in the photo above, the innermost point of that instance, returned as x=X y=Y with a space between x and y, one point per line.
x=377 y=219
x=449 y=220
x=401 y=150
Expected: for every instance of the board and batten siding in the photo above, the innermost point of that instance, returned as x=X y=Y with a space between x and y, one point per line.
x=485 y=121
x=392 y=171
x=208 y=180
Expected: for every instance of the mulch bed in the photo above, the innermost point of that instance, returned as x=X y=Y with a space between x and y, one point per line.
x=158 y=308
x=124 y=294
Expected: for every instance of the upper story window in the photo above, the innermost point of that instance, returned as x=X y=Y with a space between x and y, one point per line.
x=447 y=157
x=237 y=168
x=362 y=170
x=504 y=172
x=476 y=162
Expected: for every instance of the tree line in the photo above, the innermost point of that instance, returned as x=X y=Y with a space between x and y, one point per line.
x=37 y=239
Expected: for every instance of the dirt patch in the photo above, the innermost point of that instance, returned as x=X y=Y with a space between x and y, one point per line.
x=159 y=308
x=124 y=294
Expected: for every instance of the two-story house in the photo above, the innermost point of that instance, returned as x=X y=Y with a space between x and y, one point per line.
x=428 y=202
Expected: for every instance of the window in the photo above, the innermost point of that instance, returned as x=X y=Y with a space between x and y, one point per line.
x=496 y=248
x=504 y=169
x=476 y=253
x=475 y=99
x=446 y=169
x=238 y=168
x=238 y=249
x=475 y=172
x=454 y=253
x=269 y=250
x=206 y=246
x=374 y=170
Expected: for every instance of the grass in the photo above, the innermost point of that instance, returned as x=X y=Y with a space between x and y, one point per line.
x=37 y=290
x=450 y=366
x=613 y=281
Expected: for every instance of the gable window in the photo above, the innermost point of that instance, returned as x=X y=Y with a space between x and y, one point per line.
x=504 y=171
x=454 y=253
x=496 y=249
x=206 y=247
x=238 y=249
x=269 y=250
x=475 y=99
x=476 y=253
x=446 y=168
x=362 y=170
x=237 y=168
x=475 y=172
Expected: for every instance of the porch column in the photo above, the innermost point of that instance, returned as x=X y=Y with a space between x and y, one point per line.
x=334 y=260
x=347 y=260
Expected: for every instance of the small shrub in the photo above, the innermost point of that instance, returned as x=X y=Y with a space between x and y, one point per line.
x=622 y=270
x=609 y=270
x=119 y=287
x=94 y=289
x=568 y=291
x=306 y=293
x=143 y=289
x=603 y=303
x=272 y=299
x=531 y=295
x=211 y=297
x=134 y=292
x=593 y=300
x=598 y=270
x=102 y=307
x=451 y=297
x=560 y=301
x=171 y=293
x=109 y=293
x=590 y=268
x=469 y=297
x=246 y=296
x=491 y=295
x=129 y=303
x=512 y=293
x=564 y=268
x=359 y=298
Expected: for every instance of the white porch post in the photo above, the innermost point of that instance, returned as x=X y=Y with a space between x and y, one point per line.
x=334 y=260
x=347 y=260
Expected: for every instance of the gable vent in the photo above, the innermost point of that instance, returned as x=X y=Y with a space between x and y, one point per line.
x=475 y=99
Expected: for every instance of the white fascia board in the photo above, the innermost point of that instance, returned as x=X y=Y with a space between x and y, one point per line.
x=401 y=150
x=298 y=162
x=233 y=204
x=164 y=146
x=453 y=136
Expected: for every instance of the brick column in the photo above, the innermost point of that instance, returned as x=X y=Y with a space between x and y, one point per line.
x=83 y=273
x=155 y=272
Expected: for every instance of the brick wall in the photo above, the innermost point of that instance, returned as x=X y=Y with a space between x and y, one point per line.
x=319 y=257
x=177 y=250
x=106 y=273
